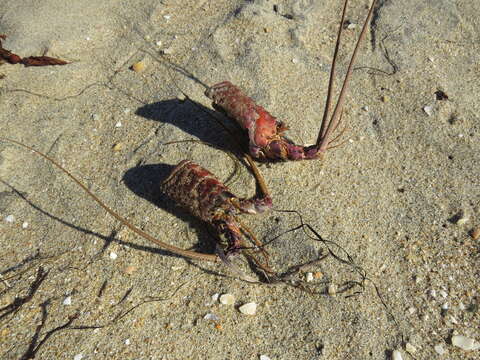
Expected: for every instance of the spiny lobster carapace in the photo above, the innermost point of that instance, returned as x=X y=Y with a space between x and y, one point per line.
x=204 y=196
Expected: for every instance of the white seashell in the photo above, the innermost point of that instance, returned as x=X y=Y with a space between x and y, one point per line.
x=67 y=300
x=211 y=317
x=248 y=308
x=465 y=343
x=227 y=299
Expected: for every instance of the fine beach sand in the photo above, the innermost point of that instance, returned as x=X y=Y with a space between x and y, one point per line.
x=401 y=195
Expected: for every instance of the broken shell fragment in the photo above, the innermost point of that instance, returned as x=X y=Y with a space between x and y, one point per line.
x=248 y=308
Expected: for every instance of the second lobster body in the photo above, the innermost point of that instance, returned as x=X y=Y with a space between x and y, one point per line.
x=204 y=196
x=265 y=132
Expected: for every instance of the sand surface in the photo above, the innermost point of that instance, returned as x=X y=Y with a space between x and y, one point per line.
x=400 y=196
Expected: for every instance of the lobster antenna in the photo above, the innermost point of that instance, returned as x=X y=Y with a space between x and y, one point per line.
x=323 y=128
x=322 y=142
x=170 y=248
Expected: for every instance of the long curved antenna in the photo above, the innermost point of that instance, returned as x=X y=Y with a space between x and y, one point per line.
x=170 y=248
x=323 y=128
x=322 y=141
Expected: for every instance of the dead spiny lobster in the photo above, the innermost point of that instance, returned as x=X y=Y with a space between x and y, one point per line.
x=199 y=191
x=265 y=132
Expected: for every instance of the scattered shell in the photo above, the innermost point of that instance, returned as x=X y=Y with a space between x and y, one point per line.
x=351 y=26
x=113 y=255
x=412 y=310
x=78 y=357
x=95 y=117
x=227 y=299
x=432 y=293
x=439 y=349
x=167 y=51
x=118 y=124
x=462 y=220
x=428 y=110
x=167 y=17
x=218 y=326
x=443 y=293
x=264 y=357
x=25 y=225
x=67 y=300
x=309 y=277
x=332 y=289
x=138 y=66
x=127 y=342
x=410 y=348
x=211 y=317
x=10 y=218
x=248 y=308
x=445 y=306
x=475 y=233
x=117 y=147
x=365 y=108
x=295 y=60
x=159 y=43
x=465 y=343
x=397 y=355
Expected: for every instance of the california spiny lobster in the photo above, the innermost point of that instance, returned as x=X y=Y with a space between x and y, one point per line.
x=265 y=132
x=201 y=193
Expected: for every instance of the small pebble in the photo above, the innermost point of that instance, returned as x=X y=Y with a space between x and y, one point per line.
x=309 y=277
x=78 y=357
x=365 y=108
x=385 y=98
x=264 y=357
x=211 y=317
x=397 y=355
x=445 y=306
x=410 y=348
x=432 y=293
x=117 y=147
x=248 y=308
x=95 y=117
x=412 y=310
x=25 y=225
x=129 y=270
x=167 y=17
x=127 y=111
x=181 y=96
x=215 y=297
x=443 y=293
x=167 y=51
x=227 y=299
x=351 y=26
x=113 y=255
x=465 y=343
x=118 y=124
x=318 y=275
x=159 y=43
x=439 y=349
x=67 y=300
x=138 y=66
x=10 y=218
x=295 y=60
x=428 y=110
x=332 y=289
x=475 y=233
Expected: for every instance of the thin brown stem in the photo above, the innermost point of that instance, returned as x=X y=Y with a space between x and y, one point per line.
x=326 y=112
x=341 y=98
x=170 y=248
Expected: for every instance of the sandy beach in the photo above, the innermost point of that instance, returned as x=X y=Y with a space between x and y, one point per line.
x=397 y=204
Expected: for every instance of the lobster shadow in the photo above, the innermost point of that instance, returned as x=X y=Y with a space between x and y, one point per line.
x=145 y=180
x=193 y=118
